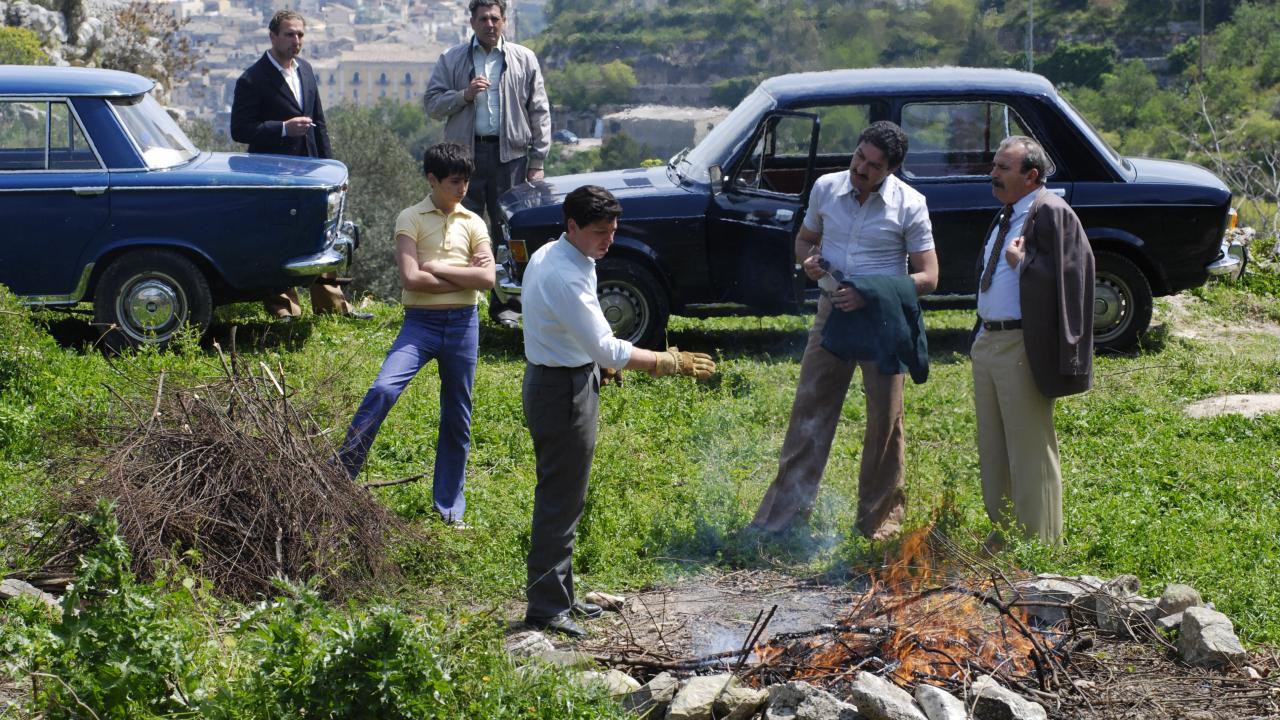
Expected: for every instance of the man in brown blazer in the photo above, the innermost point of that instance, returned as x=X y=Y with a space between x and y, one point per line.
x=1034 y=341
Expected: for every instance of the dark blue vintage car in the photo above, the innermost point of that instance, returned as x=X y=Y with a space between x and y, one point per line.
x=715 y=227
x=105 y=199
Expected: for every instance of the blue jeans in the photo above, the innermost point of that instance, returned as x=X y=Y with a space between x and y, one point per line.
x=451 y=338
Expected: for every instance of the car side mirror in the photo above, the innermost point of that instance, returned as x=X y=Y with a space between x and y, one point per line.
x=717 y=179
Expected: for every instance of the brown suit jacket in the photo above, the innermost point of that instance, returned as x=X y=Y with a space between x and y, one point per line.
x=1055 y=283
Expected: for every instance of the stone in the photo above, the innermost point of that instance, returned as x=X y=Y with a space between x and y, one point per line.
x=617 y=683
x=12 y=588
x=879 y=699
x=654 y=697
x=606 y=601
x=938 y=704
x=798 y=700
x=739 y=702
x=528 y=643
x=1207 y=638
x=1111 y=612
x=1057 y=590
x=1252 y=673
x=993 y=701
x=697 y=696
x=564 y=658
x=1128 y=616
x=1169 y=623
x=1177 y=598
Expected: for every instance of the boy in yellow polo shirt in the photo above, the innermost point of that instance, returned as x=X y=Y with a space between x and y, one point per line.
x=446 y=262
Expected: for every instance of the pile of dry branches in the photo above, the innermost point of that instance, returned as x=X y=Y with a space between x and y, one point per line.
x=234 y=468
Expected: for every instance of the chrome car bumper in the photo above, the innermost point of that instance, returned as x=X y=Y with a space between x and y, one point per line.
x=1231 y=261
x=506 y=287
x=334 y=258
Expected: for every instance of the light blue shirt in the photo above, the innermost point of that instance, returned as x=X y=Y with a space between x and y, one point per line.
x=563 y=323
x=872 y=238
x=1003 y=300
x=489 y=103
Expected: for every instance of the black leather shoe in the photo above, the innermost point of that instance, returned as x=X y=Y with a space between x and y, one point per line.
x=357 y=315
x=586 y=610
x=561 y=623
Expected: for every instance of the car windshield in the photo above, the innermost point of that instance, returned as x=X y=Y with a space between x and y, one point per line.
x=1093 y=131
x=718 y=146
x=156 y=135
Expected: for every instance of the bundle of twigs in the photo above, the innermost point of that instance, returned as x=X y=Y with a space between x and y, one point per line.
x=234 y=468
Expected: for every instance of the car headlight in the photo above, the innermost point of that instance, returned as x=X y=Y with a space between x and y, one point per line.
x=335 y=201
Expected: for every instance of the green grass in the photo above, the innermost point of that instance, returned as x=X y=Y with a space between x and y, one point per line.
x=680 y=466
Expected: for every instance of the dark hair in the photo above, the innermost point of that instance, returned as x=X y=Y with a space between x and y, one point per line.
x=589 y=204
x=477 y=4
x=281 y=16
x=889 y=138
x=1034 y=159
x=446 y=159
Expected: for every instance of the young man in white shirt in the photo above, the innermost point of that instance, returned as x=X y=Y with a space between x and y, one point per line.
x=567 y=343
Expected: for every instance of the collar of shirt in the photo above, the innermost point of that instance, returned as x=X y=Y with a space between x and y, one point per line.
x=427 y=207
x=287 y=72
x=574 y=255
x=889 y=192
x=500 y=47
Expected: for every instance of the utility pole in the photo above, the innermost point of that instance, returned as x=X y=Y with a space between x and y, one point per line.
x=1201 y=43
x=1031 y=29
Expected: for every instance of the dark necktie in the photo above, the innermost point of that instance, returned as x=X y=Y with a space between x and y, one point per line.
x=990 y=270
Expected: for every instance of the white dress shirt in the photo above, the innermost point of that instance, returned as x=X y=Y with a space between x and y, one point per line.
x=1003 y=300
x=872 y=238
x=292 y=80
x=563 y=323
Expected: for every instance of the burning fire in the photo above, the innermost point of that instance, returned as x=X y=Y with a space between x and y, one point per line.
x=910 y=625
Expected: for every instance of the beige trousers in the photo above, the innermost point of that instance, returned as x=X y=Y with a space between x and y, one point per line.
x=1017 y=445
x=820 y=392
x=324 y=299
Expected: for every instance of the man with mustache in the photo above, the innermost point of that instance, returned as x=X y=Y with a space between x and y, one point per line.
x=490 y=95
x=1034 y=342
x=865 y=223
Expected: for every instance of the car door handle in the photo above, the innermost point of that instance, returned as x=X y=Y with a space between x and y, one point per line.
x=89 y=191
x=1060 y=192
x=783 y=215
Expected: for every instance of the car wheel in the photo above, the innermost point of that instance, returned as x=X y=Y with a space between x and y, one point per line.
x=147 y=296
x=633 y=302
x=1121 y=302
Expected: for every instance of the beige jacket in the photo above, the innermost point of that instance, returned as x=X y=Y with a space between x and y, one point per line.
x=526 y=113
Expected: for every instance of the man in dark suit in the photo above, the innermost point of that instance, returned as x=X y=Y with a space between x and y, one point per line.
x=1034 y=341
x=277 y=110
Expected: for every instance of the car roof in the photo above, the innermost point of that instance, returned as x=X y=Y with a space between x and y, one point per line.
x=40 y=80
x=938 y=80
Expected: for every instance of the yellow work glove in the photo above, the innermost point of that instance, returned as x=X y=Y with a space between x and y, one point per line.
x=674 y=361
x=609 y=376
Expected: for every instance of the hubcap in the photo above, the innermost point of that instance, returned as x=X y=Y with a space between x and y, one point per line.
x=624 y=308
x=151 y=306
x=1110 y=305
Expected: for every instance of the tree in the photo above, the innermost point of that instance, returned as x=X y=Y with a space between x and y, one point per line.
x=20 y=46
x=142 y=38
x=1078 y=64
x=620 y=151
x=580 y=86
x=385 y=179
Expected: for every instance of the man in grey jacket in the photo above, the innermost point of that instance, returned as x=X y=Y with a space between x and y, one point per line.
x=491 y=96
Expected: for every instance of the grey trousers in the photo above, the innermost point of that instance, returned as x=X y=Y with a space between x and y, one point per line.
x=491 y=178
x=820 y=393
x=561 y=408
x=1017 y=444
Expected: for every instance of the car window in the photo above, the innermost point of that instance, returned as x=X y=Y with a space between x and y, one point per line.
x=38 y=135
x=68 y=148
x=22 y=135
x=778 y=162
x=840 y=127
x=956 y=139
x=159 y=139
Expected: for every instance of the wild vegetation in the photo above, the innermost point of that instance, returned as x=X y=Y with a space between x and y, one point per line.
x=680 y=467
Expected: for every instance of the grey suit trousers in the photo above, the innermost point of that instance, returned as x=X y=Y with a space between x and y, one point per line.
x=561 y=409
